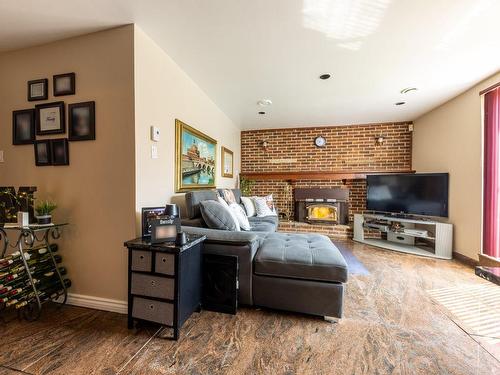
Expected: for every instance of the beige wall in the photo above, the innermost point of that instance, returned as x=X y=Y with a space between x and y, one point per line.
x=96 y=191
x=163 y=92
x=448 y=139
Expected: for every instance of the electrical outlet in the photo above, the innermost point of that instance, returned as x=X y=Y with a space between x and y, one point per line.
x=1 y=157
x=410 y=127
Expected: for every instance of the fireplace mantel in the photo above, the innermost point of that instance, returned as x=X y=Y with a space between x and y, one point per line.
x=326 y=175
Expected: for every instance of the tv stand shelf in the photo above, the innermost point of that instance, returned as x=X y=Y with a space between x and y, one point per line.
x=434 y=241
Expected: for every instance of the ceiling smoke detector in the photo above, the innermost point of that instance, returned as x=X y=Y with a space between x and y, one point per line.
x=324 y=76
x=264 y=102
x=408 y=89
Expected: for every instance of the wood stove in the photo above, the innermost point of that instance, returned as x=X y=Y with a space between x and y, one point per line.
x=322 y=206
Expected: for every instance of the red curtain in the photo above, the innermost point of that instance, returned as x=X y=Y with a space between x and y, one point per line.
x=491 y=206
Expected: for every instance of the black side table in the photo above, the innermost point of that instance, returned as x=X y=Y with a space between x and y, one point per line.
x=164 y=281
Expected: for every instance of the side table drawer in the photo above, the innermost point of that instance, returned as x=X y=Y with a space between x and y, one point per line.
x=153 y=311
x=141 y=261
x=152 y=286
x=165 y=263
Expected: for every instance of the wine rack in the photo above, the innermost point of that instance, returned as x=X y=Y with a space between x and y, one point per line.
x=31 y=271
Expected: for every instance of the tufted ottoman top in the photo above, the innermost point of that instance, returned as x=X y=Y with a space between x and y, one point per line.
x=300 y=256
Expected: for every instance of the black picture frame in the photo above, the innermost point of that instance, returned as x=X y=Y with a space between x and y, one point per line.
x=43 y=116
x=60 y=151
x=64 y=84
x=38 y=84
x=43 y=153
x=23 y=127
x=81 y=121
x=164 y=230
x=148 y=214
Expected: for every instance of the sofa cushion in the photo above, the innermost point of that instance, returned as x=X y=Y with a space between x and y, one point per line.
x=262 y=226
x=300 y=256
x=236 y=192
x=216 y=216
x=266 y=219
x=233 y=214
x=264 y=206
x=227 y=195
x=193 y=199
x=241 y=216
x=249 y=206
x=196 y=222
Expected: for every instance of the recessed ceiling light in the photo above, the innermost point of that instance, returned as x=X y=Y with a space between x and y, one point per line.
x=264 y=102
x=408 y=89
x=325 y=76
x=262 y=113
x=399 y=103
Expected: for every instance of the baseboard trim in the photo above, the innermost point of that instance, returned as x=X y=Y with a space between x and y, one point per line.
x=487 y=261
x=465 y=259
x=97 y=303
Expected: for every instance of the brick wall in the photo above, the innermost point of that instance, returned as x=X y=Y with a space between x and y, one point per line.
x=348 y=148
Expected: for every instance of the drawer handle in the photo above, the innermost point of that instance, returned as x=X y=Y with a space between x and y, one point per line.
x=164 y=260
x=141 y=257
x=153 y=283
x=151 y=307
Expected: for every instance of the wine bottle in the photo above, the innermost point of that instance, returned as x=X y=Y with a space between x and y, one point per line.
x=44 y=259
x=17 y=283
x=28 y=253
x=14 y=271
x=50 y=276
x=28 y=293
x=43 y=295
x=39 y=272
x=41 y=252
x=38 y=275
x=35 y=263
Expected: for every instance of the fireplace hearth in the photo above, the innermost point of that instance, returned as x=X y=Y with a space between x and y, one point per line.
x=322 y=206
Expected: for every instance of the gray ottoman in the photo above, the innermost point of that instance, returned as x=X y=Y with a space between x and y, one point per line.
x=300 y=272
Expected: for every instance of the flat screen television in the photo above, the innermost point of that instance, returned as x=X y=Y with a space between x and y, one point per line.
x=418 y=194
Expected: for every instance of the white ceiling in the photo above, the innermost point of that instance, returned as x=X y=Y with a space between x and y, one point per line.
x=240 y=51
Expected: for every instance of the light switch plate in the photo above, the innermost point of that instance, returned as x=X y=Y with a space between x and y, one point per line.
x=154 y=152
x=155 y=133
x=1 y=157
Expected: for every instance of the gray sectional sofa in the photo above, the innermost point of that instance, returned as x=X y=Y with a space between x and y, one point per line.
x=303 y=273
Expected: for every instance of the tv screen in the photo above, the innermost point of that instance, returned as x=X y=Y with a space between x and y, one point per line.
x=418 y=194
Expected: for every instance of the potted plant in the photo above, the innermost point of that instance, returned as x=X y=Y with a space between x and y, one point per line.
x=44 y=211
x=246 y=186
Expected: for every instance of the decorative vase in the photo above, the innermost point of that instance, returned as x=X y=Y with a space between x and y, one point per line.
x=44 y=219
x=23 y=219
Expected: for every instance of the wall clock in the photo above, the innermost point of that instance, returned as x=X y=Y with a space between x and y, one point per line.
x=320 y=141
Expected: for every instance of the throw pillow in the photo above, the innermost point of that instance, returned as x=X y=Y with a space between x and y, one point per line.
x=241 y=216
x=264 y=206
x=226 y=206
x=249 y=206
x=216 y=216
x=228 y=196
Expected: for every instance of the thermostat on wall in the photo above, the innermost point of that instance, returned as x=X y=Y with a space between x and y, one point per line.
x=155 y=133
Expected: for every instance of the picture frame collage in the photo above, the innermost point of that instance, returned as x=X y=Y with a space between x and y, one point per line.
x=48 y=119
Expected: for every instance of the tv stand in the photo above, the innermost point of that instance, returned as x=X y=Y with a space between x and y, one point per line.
x=406 y=234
